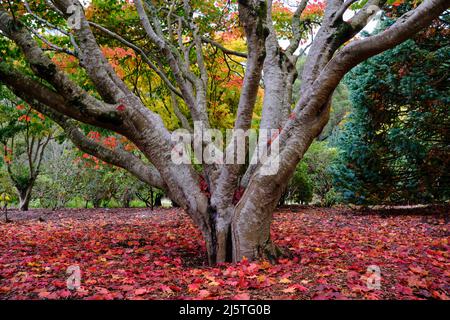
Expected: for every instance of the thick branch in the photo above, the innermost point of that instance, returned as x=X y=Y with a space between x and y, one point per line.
x=46 y=69
x=108 y=84
x=117 y=157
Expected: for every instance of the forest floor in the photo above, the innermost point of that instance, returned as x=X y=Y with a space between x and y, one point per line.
x=140 y=254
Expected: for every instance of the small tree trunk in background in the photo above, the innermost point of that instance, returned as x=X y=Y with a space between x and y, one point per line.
x=127 y=198
x=151 y=199
x=25 y=197
x=97 y=203
x=6 y=213
x=282 y=201
x=158 y=200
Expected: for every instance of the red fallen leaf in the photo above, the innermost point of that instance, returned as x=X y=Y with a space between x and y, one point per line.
x=404 y=290
x=300 y=288
x=360 y=289
x=102 y=291
x=139 y=292
x=166 y=289
x=81 y=292
x=63 y=294
x=204 y=293
x=414 y=281
x=193 y=287
x=440 y=295
x=289 y=290
x=100 y=297
x=231 y=283
x=175 y=288
x=294 y=288
x=44 y=294
x=241 y=296
x=126 y=287
x=242 y=283
x=59 y=284
x=5 y=289
x=418 y=270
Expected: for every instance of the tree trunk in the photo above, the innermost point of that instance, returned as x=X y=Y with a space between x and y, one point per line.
x=251 y=229
x=158 y=200
x=241 y=233
x=25 y=197
x=97 y=203
x=224 y=243
x=5 y=210
x=240 y=240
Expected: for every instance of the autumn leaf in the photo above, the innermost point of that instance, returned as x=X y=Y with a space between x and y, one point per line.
x=193 y=287
x=241 y=296
x=285 y=280
x=139 y=292
x=204 y=293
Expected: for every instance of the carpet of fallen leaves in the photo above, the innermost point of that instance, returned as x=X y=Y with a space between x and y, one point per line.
x=139 y=254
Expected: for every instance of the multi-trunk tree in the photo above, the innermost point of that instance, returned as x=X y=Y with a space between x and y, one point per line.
x=175 y=47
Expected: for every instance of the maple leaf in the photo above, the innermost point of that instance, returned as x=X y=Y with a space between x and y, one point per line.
x=285 y=280
x=121 y=108
x=44 y=294
x=63 y=294
x=294 y=288
x=166 y=289
x=418 y=270
x=261 y=278
x=139 y=292
x=289 y=290
x=404 y=290
x=440 y=295
x=241 y=296
x=204 y=293
x=193 y=287
x=414 y=281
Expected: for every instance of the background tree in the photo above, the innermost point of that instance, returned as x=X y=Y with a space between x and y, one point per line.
x=300 y=187
x=24 y=135
x=319 y=158
x=396 y=142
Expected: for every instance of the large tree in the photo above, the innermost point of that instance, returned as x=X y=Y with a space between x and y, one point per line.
x=175 y=48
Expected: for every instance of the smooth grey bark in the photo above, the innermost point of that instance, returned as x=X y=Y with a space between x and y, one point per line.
x=254 y=212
